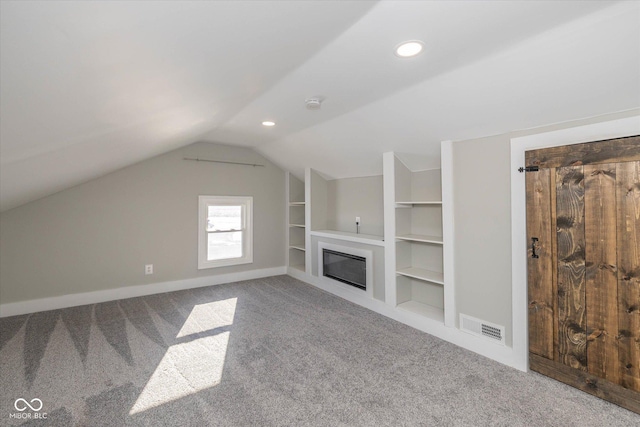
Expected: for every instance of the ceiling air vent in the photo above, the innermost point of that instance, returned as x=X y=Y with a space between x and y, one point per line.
x=482 y=329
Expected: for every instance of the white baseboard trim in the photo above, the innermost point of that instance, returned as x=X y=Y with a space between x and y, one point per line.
x=296 y=273
x=84 y=298
x=455 y=336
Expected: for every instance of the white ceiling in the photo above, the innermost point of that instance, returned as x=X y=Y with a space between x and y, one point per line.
x=90 y=87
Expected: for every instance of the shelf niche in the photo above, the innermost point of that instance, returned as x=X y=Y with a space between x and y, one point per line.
x=414 y=206
x=423 y=298
x=422 y=261
x=297 y=215
x=296 y=190
x=335 y=204
x=297 y=259
x=297 y=237
x=297 y=224
x=420 y=223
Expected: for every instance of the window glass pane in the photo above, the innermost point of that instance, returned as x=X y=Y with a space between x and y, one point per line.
x=224 y=245
x=224 y=218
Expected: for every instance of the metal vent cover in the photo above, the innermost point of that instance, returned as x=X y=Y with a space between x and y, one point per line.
x=480 y=328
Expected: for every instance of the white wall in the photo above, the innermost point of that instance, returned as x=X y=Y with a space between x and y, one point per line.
x=351 y=197
x=99 y=235
x=482 y=229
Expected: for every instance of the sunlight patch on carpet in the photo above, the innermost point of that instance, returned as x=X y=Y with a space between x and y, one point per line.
x=193 y=365
x=209 y=316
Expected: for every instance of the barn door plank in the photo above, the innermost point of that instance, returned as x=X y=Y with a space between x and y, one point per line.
x=601 y=271
x=628 y=195
x=554 y=262
x=571 y=267
x=609 y=151
x=539 y=271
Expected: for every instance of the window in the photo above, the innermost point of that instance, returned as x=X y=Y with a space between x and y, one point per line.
x=225 y=233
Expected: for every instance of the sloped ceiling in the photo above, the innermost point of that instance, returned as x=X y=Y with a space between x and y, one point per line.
x=90 y=87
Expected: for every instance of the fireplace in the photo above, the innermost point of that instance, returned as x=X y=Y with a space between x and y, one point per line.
x=346 y=268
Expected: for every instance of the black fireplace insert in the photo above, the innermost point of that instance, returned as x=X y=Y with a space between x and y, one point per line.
x=346 y=268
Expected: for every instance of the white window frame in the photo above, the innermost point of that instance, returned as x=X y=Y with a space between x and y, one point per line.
x=247 y=228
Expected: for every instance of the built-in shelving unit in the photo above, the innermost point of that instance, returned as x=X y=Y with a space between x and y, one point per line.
x=297 y=224
x=408 y=259
x=414 y=239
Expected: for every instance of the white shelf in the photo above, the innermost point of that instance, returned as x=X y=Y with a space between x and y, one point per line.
x=297 y=225
x=423 y=203
x=421 y=238
x=300 y=248
x=425 y=310
x=422 y=274
x=368 y=239
x=296 y=203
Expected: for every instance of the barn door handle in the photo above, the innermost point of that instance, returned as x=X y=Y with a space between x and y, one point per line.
x=534 y=240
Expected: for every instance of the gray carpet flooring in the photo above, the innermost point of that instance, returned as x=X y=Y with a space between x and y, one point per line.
x=266 y=352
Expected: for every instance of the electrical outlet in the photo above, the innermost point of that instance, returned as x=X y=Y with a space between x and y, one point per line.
x=357 y=219
x=148 y=269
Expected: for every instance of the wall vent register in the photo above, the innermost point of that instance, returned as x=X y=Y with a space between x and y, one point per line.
x=482 y=329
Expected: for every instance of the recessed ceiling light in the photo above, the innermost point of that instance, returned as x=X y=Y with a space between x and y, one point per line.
x=409 y=48
x=268 y=123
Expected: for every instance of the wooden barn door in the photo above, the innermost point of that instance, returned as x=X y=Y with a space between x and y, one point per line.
x=583 y=230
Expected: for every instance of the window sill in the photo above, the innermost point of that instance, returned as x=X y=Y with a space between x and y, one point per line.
x=203 y=265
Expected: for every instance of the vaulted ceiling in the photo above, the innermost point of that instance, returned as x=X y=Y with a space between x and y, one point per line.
x=91 y=87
